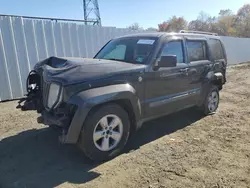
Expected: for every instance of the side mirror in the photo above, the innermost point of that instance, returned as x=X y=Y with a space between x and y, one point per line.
x=167 y=61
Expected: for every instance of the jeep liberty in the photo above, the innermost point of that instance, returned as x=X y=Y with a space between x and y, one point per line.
x=99 y=102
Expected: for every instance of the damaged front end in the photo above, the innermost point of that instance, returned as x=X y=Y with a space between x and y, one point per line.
x=45 y=95
x=32 y=100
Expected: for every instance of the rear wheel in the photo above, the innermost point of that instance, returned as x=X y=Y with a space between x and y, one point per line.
x=211 y=102
x=105 y=132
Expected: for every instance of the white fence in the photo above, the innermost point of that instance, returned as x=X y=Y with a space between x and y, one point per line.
x=238 y=49
x=23 y=42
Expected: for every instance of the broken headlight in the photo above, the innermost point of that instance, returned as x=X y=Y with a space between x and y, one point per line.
x=54 y=95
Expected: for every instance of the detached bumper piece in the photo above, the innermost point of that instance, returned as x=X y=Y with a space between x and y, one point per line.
x=30 y=102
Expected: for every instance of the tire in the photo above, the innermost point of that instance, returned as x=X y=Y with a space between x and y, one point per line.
x=98 y=150
x=211 y=102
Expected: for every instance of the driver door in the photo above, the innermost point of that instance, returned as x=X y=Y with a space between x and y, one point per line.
x=167 y=87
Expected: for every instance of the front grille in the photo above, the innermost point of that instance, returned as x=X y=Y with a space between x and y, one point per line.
x=45 y=93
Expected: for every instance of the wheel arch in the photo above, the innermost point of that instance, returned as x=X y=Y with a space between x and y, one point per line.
x=88 y=101
x=211 y=79
x=216 y=79
x=126 y=105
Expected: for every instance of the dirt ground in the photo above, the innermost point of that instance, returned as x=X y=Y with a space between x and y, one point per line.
x=184 y=149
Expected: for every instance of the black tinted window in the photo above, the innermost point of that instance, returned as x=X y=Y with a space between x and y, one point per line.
x=174 y=48
x=216 y=49
x=197 y=50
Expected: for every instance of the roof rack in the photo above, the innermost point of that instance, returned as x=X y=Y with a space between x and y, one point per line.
x=198 y=32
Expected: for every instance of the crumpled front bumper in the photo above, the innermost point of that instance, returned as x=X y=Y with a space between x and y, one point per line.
x=47 y=118
x=60 y=117
x=63 y=116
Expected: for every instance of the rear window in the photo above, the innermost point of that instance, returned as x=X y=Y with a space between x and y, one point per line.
x=197 y=50
x=216 y=49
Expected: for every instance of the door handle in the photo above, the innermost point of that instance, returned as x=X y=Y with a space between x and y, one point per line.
x=184 y=71
x=193 y=71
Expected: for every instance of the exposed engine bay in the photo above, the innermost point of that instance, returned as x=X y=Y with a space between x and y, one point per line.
x=32 y=101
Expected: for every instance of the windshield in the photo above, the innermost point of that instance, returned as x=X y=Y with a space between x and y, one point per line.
x=131 y=50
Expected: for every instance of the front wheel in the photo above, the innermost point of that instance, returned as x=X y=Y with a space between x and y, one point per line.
x=211 y=102
x=105 y=132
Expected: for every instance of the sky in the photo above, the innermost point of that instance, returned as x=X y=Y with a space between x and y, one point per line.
x=121 y=13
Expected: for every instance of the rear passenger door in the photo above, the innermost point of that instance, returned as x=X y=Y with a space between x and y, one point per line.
x=199 y=62
x=218 y=56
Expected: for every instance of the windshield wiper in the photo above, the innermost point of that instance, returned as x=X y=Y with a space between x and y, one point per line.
x=113 y=59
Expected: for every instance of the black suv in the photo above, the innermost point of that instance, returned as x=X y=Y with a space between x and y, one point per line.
x=99 y=102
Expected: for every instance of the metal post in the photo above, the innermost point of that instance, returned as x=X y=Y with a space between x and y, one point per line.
x=91 y=11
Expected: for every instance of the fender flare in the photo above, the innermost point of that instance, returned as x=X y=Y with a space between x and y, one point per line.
x=86 y=100
x=211 y=78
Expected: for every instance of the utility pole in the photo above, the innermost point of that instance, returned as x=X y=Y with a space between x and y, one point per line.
x=91 y=11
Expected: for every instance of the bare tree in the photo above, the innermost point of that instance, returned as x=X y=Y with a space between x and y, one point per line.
x=243 y=21
x=174 y=24
x=204 y=22
x=151 y=29
x=135 y=27
x=226 y=23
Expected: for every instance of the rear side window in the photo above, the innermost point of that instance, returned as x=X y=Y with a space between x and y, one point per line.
x=216 y=49
x=197 y=50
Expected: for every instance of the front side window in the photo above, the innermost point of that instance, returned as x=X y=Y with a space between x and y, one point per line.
x=174 y=48
x=132 y=50
x=197 y=50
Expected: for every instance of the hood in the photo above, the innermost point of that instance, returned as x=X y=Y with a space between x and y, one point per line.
x=76 y=70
